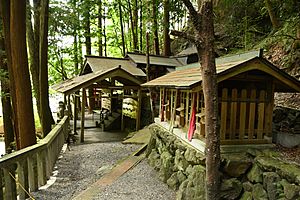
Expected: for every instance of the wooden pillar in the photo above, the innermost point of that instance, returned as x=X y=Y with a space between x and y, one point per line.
x=138 y=111
x=75 y=114
x=122 y=115
x=23 y=178
x=173 y=110
x=82 y=115
x=10 y=183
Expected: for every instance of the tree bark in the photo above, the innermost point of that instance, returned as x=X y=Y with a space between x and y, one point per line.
x=87 y=23
x=167 y=42
x=6 y=101
x=204 y=28
x=46 y=114
x=122 y=28
x=155 y=27
x=19 y=64
x=100 y=45
x=5 y=14
x=273 y=18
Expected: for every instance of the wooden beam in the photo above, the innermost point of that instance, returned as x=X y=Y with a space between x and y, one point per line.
x=243 y=109
x=173 y=115
x=252 y=114
x=261 y=115
x=187 y=109
x=122 y=115
x=138 y=111
x=233 y=114
x=223 y=114
x=83 y=101
x=75 y=114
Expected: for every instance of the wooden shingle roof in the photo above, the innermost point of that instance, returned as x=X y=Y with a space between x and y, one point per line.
x=190 y=76
x=97 y=63
x=154 y=60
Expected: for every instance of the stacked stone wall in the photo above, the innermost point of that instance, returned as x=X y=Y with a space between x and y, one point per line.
x=250 y=175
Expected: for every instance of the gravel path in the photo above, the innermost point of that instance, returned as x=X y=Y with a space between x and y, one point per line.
x=82 y=166
x=139 y=183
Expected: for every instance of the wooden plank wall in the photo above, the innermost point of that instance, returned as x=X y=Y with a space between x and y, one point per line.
x=245 y=116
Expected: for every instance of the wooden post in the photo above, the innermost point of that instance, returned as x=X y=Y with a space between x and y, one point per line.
x=224 y=113
x=138 y=112
x=32 y=173
x=75 y=114
x=10 y=183
x=252 y=114
x=233 y=114
x=23 y=178
x=82 y=115
x=243 y=109
x=261 y=114
x=187 y=109
x=122 y=115
x=173 y=111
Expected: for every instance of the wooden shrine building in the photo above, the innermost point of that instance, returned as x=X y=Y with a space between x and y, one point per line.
x=109 y=79
x=246 y=86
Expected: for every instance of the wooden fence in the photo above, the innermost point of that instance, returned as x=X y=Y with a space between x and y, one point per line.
x=28 y=169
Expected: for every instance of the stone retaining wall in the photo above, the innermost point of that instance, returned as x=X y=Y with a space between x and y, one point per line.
x=250 y=175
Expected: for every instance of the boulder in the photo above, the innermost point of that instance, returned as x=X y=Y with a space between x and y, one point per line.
x=180 y=163
x=173 y=182
x=259 y=192
x=154 y=159
x=166 y=169
x=270 y=180
x=248 y=186
x=231 y=188
x=190 y=156
x=181 y=177
x=255 y=174
x=246 y=196
x=287 y=171
x=236 y=168
x=197 y=176
x=291 y=191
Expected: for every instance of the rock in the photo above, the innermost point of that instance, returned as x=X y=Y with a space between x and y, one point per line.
x=189 y=170
x=180 y=163
x=270 y=180
x=181 y=177
x=173 y=182
x=197 y=176
x=180 y=194
x=288 y=171
x=190 y=156
x=246 y=196
x=248 y=186
x=236 y=168
x=291 y=191
x=154 y=159
x=231 y=188
x=151 y=145
x=259 y=193
x=166 y=169
x=255 y=174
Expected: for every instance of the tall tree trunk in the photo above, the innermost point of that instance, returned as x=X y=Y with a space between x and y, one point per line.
x=5 y=15
x=167 y=42
x=273 y=18
x=104 y=33
x=122 y=28
x=6 y=101
x=141 y=26
x=132 y=24
x=204 y=40
x=87 y=23
x=33 y=47
x=155 y=26
x=46 y=114
x=135 y=25
x=23 y=110
x=100 y=45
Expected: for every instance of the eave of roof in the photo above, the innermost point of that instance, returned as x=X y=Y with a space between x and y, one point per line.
x=154 y=60
x=76 y=83
x=189 y=77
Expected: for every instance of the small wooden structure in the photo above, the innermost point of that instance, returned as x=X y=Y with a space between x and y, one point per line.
x=108 y=78
x=246 y=86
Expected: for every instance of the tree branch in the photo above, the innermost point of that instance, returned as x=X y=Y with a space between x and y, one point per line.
x=187 y=36
x=195 y=16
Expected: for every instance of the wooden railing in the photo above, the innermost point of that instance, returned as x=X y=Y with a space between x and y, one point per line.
x=28 y=169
